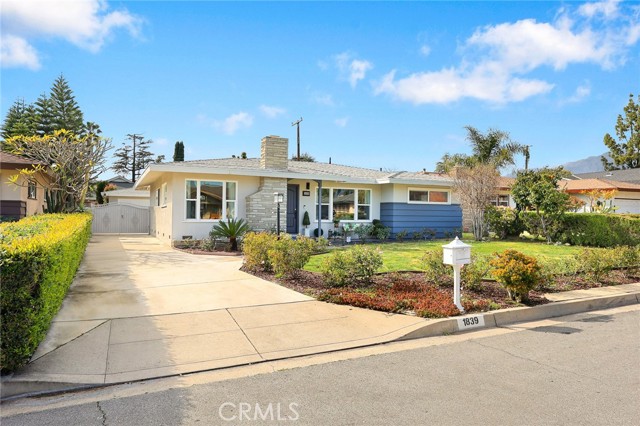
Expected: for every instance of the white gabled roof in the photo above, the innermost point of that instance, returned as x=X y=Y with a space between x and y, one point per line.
x=295 y=170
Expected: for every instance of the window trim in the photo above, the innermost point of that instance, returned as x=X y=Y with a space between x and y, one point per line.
x=355 y=204
x=225 y=200
x=32 y=184
x=428 y=190
x=157 y=197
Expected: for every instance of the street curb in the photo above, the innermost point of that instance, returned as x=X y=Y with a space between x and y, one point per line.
x=26 y=388
x=505 y=317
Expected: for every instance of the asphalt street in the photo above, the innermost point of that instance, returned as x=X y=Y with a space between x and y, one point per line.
x=577 y=370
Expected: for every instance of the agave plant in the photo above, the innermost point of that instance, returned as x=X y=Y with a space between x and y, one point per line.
x=233 y=229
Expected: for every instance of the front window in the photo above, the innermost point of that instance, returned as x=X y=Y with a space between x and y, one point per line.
x=32 y=190
x=345 y=204
x=501 y=201
x=210 y=200
x=428 y=196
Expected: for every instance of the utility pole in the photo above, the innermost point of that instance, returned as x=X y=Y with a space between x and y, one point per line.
x=133 y=137
x=297 y=123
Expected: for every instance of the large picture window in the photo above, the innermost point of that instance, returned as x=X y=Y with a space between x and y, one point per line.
x=210 y=200
x=428 y=196
x=345 y=204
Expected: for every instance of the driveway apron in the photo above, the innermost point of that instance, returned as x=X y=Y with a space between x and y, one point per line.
x=139 y=309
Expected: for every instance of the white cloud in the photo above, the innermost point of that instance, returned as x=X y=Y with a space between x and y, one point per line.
x=342 y=122
x=353 y=70
x=272 y=111
x=581 y=92
x=87 y=24
x=608 y=9
x=16 y=52
x=234 y=122
x=425 y=50
x=498 y=59
x=323 y=99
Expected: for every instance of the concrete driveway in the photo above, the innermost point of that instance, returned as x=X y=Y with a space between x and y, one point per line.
x=138 y=309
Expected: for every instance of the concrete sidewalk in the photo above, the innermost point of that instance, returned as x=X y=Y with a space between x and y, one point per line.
x=140 y=310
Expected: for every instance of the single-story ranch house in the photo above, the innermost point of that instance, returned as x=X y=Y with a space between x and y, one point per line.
x=25 y=198
x=189 y=197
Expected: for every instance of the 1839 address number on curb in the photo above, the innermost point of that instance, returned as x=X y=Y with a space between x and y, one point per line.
x=474 y=321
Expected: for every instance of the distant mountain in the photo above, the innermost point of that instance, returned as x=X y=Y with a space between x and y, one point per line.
x=586 y=165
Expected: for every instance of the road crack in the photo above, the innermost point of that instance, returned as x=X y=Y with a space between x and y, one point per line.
x=103 y=413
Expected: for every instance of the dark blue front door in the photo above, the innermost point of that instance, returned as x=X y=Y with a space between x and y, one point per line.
x=292 y=209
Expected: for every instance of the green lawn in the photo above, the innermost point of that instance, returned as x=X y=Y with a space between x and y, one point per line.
x=406 y=256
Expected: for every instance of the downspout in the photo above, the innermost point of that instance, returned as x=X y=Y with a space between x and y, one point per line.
x=319 y=216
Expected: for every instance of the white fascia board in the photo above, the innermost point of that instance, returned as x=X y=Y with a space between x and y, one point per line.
x=155 y=169
x=417 y=182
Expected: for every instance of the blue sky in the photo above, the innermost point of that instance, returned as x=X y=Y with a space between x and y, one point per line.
x=383 y=84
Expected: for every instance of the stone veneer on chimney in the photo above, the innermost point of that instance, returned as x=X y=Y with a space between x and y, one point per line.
x=274 y=153
x=261 y=210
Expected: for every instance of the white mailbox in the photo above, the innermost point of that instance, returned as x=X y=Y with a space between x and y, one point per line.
x=456 y=253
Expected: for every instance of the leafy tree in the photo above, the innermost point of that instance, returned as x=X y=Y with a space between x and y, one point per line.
x=537 y=190
x=72 y=160
x=495 y=148
x=476 y=187
x=66 y=113
x=126 y=163
x=625 y=152
x=178 y=151
x=304 y=156
x=100 y=186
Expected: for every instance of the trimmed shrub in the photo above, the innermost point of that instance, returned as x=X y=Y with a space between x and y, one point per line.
x=596 y=263
x=473 y=273
x=356 y=264
x=503 y=221
x=255 y=247
x=288 y=256
x=517 y=272
x=600 y=230
x=40 y=256
x=434 y=270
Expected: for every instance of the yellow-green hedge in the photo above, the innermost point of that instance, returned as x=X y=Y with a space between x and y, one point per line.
x=39 y=258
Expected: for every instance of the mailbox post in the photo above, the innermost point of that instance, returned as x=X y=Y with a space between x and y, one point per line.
x=456 y=254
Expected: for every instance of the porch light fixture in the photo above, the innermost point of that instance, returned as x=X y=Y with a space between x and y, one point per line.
x=278 y=198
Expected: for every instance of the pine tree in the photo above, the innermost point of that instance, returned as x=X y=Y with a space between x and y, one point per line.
x=20 y=120
x=625 y=152
x=65 y=110
x=178 y=151
x=124 y=163
x=44 y=116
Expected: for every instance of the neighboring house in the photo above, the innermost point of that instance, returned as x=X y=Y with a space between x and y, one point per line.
x=626 y=197
x=121 y=182
x=189 y=197
x=27 y=197
x=127 y=196
x=628 y=175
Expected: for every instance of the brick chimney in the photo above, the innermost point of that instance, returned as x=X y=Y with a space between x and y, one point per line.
x=274 y=153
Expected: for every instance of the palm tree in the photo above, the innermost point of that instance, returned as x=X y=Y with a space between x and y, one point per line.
x=495 y=147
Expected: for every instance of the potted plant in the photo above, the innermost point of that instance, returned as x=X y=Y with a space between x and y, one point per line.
x=306 y=222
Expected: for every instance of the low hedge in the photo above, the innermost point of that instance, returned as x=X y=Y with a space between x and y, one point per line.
x=600 y=230
x=580 y=229
x=39 y=258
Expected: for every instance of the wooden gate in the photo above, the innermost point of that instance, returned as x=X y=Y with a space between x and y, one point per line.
x=120 y=219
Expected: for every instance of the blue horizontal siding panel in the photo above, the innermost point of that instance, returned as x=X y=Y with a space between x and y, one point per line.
x=416 y=217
